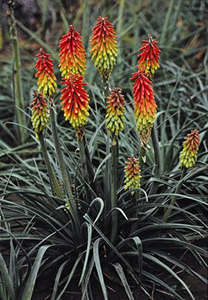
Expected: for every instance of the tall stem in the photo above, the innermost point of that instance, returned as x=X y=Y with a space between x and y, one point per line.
x=157 y=159
x=114 y=175
x=62 y=165
x=17 y=81
x=92 y=180
x=173 y=200
x=83 y=159
x=53 y=181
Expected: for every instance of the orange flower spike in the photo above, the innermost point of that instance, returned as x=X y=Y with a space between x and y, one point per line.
x=103 y=46
x=188 y=155
x=114 y=118
x=45 y=74
x=144 y=105
x=72 y=54
x=40 y=112
x=149 y=56
x=132 y=174
x=75 y=101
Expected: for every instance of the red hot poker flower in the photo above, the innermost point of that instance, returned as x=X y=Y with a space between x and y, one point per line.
x=75 y=101
x=132 y=174
x=144 y=105
x=188 y=155
x=40 y=112
x=103 y=46
x=45 y=74
x=149 y=56
x=114 y=118
x=72 y=54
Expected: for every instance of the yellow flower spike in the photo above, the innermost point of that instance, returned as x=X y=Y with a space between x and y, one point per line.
x=103 y=47
x=188 y=155
x=45 y=74
x=72 y=54
x=114 y=119
x=40 y=112
x=132 y=174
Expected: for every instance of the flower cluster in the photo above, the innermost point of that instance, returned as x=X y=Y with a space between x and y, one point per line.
x=103 y=46
x=75 y=101
x=144 y=105
x=188 y=155
x=72 y=54
x=132 y=174
x=40 y=112
x=114 y=118
x=149 y=57
x=45 y=74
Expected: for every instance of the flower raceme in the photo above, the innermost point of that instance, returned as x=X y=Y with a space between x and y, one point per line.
x=40 y=112
x=188 y=155
x=149 y=57
x=75 y=101
x=114 y=118
x=45 y=74
x=103 y=46
x=72 y=54
x=132 y=174
x=144 y=105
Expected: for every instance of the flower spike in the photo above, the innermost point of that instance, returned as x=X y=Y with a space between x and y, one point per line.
x=149 y=56
x=72 y=54
x=75 y=101
x=188 y=155
x=40 y=112
x=144 y=105
x=114 y=118
x=103 y=46
x=45 y=74
x=132 y=174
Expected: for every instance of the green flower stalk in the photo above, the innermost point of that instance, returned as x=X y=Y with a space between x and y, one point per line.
x=47 y=84
x=114 y=121
x=132 y=174
x=188 y=158
x=40 y=120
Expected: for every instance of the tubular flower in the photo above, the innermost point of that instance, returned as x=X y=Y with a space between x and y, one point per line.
x=103 y=46
x=40 y=112
x=132 y=174
x=188 y=155
x=114 y=118
x=72 y=54
x=144 y=105
x=149 y=56
x=45 y=74
x=75 y=101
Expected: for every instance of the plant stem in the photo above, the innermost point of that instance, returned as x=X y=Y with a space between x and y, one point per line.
x=173 y=200
x=141 y=155
x=62 y=165
x=93 y=181
x=53 y=181
x=114 y=175
x=83 y=160
x=156 y=147
x=17 y=81
x=85 y=22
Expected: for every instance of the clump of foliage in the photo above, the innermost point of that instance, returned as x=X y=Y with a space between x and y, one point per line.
x=114 y=202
